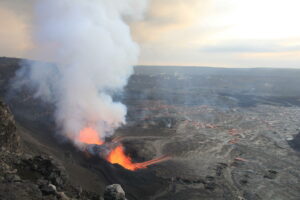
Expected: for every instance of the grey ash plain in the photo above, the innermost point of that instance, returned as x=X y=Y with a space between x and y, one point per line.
x=231 y=133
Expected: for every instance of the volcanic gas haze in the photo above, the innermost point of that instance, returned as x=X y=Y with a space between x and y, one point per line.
x=90 y=43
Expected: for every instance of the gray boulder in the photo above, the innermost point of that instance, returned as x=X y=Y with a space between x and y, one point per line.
x=114 y=192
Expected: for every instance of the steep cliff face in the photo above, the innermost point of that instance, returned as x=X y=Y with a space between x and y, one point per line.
x=9 y=139
x=27 y=176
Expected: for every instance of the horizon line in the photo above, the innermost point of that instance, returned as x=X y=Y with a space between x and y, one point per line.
x=190 y=66
x=217 y=67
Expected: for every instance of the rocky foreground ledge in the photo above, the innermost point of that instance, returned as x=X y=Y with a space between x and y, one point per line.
x=25 y=176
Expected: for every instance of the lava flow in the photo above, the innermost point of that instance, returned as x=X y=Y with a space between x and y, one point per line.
x=117 y=154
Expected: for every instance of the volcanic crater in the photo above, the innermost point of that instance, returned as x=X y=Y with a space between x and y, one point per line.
x=226 y=134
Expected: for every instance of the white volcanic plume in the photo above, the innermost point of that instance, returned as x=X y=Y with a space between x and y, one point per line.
x=90 y=43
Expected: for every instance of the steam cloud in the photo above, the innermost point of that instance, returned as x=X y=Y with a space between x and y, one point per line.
x=90 y=42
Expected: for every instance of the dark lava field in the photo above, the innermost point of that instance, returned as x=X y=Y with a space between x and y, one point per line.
x=231 y=134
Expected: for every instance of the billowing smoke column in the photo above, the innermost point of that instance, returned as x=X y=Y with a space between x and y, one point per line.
x=90 y=42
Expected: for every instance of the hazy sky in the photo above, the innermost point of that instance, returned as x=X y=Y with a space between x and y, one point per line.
x=222 y=33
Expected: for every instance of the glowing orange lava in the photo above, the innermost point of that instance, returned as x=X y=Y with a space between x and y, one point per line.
x=118 y=156
x=89 y=136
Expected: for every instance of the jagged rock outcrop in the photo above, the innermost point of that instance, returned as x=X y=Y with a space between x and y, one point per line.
x=9 y=139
